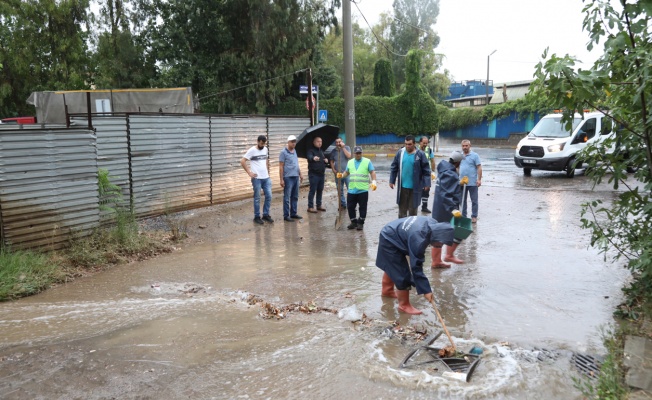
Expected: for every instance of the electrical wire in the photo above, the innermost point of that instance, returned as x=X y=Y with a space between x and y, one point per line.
x=374 y=33
x=241 y=87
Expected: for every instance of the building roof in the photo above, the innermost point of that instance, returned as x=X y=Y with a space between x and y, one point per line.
x=510 y=91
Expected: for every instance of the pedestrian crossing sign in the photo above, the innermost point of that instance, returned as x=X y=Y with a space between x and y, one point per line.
x=323 y=115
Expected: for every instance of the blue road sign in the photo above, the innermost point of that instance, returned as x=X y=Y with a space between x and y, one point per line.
x=323 y=115
x=303 y=89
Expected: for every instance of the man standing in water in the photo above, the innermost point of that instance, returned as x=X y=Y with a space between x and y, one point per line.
x=411 y=168
x=360 y=168
x=445 y=205
x=409 y=237
x=423 y=146
x=471 y=167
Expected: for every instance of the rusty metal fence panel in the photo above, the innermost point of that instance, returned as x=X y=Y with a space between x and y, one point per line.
x=112 y=149
x=48 y=186
x=230 y=140
x=170 y=158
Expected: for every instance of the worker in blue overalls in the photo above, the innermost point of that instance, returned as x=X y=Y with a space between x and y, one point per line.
x=409 y=237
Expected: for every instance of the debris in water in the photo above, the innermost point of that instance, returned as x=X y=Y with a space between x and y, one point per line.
x=270 y=310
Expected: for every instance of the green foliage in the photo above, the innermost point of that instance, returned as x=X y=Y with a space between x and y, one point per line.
x=412 y=113
x=110 y=194
x=412 y=29
x=384 y=83
x=43 y=46
x=23 y=273
x=610 y=383
x=220 y=46
x=617 y=84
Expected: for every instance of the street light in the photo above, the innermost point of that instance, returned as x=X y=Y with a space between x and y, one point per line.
x=486 y=102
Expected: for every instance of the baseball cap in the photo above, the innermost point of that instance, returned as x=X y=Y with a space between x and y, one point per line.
x=457 y=156
x=291 y=138
x=357 y=149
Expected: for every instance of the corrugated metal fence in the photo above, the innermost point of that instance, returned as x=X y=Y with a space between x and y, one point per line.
x=163 y=163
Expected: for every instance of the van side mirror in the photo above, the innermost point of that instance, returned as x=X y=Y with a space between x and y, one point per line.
x=581 y=137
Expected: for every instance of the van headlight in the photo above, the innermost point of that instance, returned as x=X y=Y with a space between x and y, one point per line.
x=556 y=148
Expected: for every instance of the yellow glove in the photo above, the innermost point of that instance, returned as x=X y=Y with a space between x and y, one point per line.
x=339 y=175
x=433 y=176
x=456 y=213
x=464 y=180
x=373 y=185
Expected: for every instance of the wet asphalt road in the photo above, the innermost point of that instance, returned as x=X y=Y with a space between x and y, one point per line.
x=137 y=331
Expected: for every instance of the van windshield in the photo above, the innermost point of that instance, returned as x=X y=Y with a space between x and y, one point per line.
x=552 y=127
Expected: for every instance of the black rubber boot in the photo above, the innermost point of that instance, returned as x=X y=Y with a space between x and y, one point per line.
x=353 y=224
x=360 y=225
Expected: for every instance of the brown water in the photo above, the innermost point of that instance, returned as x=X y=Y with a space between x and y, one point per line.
x=131 y=332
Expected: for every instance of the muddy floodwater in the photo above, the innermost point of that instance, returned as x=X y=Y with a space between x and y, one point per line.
x=531 y=294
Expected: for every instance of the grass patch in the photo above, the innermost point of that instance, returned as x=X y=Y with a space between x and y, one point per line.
x=611 y=381
x=23 y=273
x=117 y=243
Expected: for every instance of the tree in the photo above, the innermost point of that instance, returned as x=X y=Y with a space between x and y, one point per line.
x=120 y=60
x=239 y=56
x=43 y=46
x=617 y=84
x=384 y=84
x=412 y=29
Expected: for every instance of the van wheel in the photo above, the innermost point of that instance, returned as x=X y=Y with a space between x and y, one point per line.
x=570 y=168
x=527 y=171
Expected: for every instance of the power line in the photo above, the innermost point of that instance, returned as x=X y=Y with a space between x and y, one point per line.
x=374 y=33
x=241 y=87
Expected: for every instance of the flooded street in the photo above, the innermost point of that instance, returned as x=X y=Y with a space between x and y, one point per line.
x=530 y=294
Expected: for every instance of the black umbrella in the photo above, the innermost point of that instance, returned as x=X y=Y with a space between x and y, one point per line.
x=327 y=133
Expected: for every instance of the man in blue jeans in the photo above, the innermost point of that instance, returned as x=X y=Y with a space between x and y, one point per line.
x=472 y=168
x=290 y=174
x=258 y=171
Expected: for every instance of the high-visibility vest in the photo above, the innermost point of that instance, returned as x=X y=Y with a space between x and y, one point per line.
x=359 y=178
x=427 y=151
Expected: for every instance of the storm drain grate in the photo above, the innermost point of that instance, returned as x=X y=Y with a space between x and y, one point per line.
x=588 y=365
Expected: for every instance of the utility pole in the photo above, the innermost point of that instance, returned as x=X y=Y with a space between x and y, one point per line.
x=486 y=101
x=311 y=106
x=349 y=101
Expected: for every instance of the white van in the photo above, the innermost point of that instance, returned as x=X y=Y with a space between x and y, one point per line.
x=550 y=147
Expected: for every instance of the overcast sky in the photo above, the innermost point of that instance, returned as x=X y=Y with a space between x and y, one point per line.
x=519 y=30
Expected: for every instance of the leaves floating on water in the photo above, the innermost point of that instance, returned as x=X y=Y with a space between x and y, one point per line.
x=270 y=311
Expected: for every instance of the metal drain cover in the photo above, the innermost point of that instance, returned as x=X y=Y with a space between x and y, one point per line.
x=588 y=365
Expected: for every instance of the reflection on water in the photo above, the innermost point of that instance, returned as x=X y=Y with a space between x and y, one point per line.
x=529 y=279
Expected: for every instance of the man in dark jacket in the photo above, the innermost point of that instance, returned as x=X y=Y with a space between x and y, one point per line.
x=409 y=237
x=448 y=196
x=316 y=169
x=412 y=169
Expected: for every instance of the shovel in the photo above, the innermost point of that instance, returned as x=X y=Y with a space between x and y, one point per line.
x=338 y=219
x=441 y=321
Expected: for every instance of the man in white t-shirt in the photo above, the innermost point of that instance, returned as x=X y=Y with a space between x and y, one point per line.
x=258 y=171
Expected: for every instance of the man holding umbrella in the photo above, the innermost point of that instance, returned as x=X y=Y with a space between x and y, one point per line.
x=316 y=174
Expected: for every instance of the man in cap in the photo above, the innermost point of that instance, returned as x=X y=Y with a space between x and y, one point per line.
x=411 y=168
x=359 y=169
x=409 y=237
x=291 y=177
x=445 y=205
x=471 y=167
x=259 y=174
